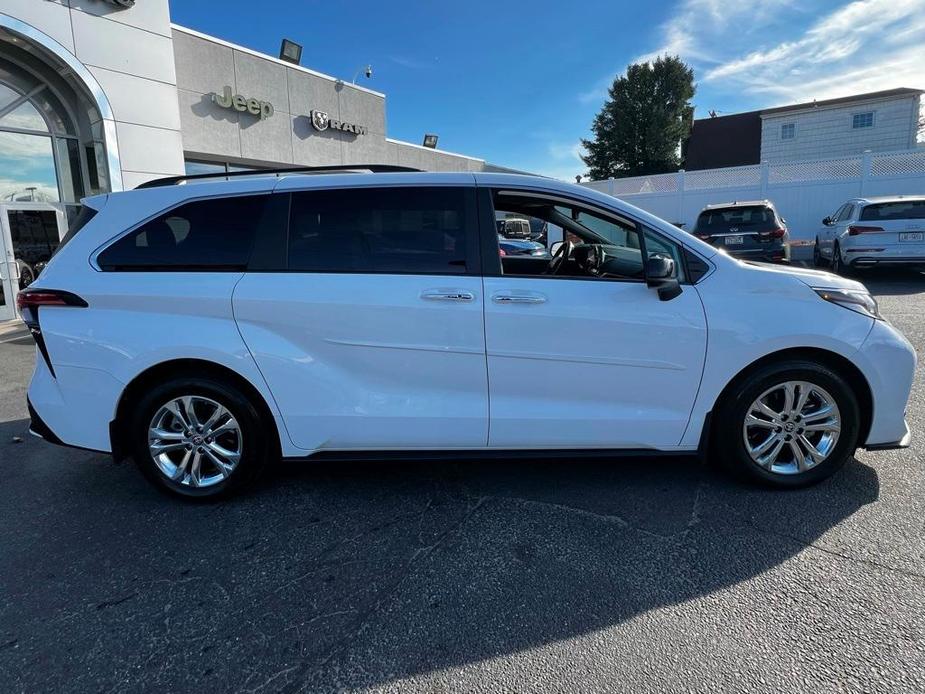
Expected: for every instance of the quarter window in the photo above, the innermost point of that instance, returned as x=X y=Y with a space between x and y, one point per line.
x=215 y=234
x=863 y=120
x=382 y=230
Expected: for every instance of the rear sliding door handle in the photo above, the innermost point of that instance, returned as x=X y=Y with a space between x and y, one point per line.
x=518 y=299
x=447 y=295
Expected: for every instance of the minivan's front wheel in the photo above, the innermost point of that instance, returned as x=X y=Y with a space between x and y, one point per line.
x=788 y=424
x=198 y=437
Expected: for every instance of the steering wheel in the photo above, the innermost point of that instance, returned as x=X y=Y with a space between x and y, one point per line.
x=558 y=260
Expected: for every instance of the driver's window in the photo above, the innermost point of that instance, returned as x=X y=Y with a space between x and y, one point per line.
x=545 y=238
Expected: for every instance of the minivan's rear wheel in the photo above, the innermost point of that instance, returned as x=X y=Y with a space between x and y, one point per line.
x=788 y=424
x=198 y=437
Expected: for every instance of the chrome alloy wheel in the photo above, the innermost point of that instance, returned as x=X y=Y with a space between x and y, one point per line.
x=195 y=441
x=791 y=427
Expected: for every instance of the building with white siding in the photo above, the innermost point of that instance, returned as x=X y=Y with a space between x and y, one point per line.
x=879 y=122
x=884 y=121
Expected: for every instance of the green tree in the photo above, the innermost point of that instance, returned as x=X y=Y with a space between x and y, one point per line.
x=641 y=125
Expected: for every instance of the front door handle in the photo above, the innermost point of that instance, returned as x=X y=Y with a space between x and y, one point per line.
x=518 y=299
x=447 y=295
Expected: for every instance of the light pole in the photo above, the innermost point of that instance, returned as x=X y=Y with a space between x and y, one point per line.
x=368 y=69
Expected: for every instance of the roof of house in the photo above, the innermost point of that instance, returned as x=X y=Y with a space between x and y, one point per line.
x=869 y=96
x=733 y=140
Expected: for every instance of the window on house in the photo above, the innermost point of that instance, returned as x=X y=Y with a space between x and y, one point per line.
x=863 y=120
x=788 y=131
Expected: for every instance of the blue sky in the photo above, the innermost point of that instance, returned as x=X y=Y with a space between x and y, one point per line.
x=518 y=83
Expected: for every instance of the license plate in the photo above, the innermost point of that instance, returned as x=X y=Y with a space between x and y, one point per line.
x=736 y=240
x=914 y=236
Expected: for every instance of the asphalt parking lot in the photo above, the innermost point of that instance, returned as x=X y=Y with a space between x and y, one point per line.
x=528 y=576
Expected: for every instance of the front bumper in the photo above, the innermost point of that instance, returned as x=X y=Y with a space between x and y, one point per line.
x=904 y=442
x=887 y=361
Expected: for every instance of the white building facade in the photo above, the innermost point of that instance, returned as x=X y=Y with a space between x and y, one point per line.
x=136 y=97
x=103 y=95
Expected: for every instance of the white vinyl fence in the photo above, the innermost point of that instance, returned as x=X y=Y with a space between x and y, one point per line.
x=804 y=192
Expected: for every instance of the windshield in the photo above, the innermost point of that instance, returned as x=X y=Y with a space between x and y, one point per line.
x=752 y=218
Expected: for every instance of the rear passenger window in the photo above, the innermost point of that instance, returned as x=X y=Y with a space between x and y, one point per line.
x=887 y=211
x=384 y=230
x=215 y=234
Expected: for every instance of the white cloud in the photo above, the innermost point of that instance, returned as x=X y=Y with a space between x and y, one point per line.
x=562 y=160
x=698 y=30
x=693 y=30
x=866 y=45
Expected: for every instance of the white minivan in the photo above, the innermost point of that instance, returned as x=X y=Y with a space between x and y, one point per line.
x=204 y=327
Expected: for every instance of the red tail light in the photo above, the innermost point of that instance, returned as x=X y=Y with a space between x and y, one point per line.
x=854 y=230
x=33 y=298
x=774 y=234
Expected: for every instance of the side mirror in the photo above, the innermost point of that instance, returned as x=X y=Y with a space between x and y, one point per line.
x=827 y=221
x=660 y=275
x=554 y=248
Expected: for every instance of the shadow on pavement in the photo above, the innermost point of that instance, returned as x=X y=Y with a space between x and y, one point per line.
x=349 y=575
x=891 y=281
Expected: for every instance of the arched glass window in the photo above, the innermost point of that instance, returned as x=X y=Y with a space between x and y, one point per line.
x=40 y=159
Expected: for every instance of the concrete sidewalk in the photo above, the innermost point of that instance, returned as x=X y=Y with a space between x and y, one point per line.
x=12 y=330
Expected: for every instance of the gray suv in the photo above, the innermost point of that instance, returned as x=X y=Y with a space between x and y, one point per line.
x=748 y=230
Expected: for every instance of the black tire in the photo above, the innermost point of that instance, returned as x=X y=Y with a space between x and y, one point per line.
x=26 y=275
x=818 y=260
x=256 y=447
x=729 y=440
x=839 y=267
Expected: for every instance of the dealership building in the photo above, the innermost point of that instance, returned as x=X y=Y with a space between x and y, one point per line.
x=102 y=95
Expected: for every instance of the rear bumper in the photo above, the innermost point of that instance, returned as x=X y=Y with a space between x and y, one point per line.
x=76 y=407
x=38 y=427
x=872 y=260
x=777 y=253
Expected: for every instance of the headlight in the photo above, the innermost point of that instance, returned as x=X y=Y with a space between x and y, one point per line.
x=856 y=300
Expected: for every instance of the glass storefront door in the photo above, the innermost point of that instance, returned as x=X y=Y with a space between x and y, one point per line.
x=7 y=278
x=29 y=235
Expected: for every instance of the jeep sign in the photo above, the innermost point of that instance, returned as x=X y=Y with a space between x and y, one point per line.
x=255 y=107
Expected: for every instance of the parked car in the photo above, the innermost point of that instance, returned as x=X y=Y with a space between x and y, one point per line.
x=750 y=230
x=514 y=228
x=204 y=330
x=866 y=232
x=522 y=247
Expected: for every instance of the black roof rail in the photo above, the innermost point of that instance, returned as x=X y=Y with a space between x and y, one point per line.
x=345 y=168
